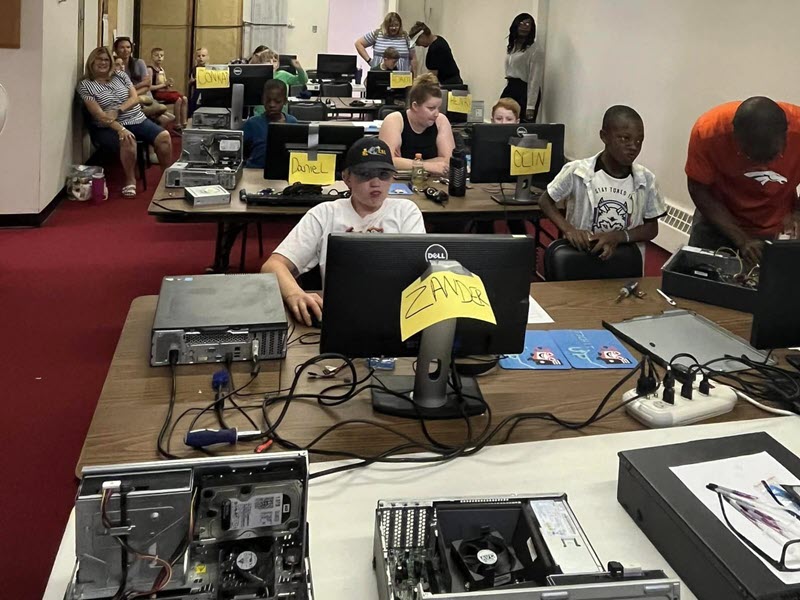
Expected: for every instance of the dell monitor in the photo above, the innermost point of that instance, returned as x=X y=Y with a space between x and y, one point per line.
x=491 y=156
x=378 y=86
x=252 y=77
x=365 y=275
x=339 y=67
x=284 y=138
x=776 y=318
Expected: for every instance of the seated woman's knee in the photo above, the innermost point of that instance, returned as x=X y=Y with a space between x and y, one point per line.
x=163 y=139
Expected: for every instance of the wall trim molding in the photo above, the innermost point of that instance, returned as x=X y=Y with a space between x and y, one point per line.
x=32 y=219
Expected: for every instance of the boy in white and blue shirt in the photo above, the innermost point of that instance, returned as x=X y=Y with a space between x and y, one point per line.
x=609 y=199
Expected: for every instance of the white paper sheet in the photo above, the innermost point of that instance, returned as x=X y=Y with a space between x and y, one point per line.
x=536 y=314
x=743 y=473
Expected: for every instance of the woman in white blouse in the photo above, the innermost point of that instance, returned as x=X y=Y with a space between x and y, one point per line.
x=524 y=65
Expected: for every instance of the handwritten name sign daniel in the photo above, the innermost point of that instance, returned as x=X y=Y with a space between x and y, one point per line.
x=209 y=79
x=529 y=161
x=442 y=296
x=318 y=172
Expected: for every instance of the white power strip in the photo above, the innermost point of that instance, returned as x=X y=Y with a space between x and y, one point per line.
x=654 y=412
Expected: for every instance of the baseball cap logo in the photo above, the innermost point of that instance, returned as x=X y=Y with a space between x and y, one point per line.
x=373 y=151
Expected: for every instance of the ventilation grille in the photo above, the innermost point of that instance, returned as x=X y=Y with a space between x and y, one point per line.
x=404 y=527
x=272 y=344
x=214 y=339
x=674 y=227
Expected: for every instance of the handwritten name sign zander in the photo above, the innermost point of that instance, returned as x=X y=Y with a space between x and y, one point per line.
x=440 y=296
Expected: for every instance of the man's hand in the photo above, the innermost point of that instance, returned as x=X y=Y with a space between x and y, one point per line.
x=750 y=251
x=606 y=243
x=579 y=238
x=791 y=226
x=303 y=305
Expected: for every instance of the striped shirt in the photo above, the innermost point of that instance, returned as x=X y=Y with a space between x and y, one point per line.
x=380 y=42
x=111 y=95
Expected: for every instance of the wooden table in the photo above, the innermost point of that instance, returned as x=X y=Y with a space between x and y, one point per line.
x=133 y=402
x=169 y=206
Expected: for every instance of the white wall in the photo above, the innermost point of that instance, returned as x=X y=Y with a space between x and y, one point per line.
x=477 y=31
x=124 y=18
x=348 y=20
x=59 y=73
x=301 y=38
x=671 y=60
x=21 y=75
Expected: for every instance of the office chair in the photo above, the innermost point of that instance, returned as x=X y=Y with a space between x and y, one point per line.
x=336 y=90
x=563 y=262
x=388 y=109
x=308 y=111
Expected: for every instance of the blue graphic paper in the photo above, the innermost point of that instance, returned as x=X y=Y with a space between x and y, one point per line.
x=540 y=353
x=593 y=349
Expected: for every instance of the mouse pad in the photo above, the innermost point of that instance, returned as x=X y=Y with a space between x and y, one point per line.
x=540 y=353
x=593 y=349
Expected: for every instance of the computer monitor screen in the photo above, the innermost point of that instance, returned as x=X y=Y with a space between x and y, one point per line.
x=284 y=138
x=377 y=86
x=336 y=66
x=365 y=275
x=491 y=154
x=253 y=77
x=776 y=318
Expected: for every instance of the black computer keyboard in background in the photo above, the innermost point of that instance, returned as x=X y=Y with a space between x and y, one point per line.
x=277 y=199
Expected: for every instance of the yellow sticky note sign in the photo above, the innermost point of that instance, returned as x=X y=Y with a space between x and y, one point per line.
x=442 y=296
x=459 y=104
x=400 y=79
x=200 y=570
x=530 y=161
x=319 y=172
x=211 y=79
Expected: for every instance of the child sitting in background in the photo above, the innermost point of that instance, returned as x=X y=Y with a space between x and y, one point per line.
x=161 y=87
x=610 y=200
x=270 y=57
x=506 y=111
x=119 y=64
x=390 y=59
x=256 y=127
x=200 y=60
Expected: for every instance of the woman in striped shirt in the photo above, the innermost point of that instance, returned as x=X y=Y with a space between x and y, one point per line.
x=389 y=35
x=117 y=120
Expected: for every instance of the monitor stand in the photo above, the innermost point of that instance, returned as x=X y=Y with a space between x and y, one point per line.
x=522 y=192
x=429 y=390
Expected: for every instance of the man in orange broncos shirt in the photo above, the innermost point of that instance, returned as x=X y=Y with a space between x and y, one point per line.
x=743 y=169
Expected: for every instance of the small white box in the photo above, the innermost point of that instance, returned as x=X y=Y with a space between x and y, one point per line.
x=208 y=195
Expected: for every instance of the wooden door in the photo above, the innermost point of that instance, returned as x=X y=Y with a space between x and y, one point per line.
x=167 y=24
x=218 y=27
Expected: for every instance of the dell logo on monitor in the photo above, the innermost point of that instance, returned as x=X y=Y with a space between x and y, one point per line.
x=435 y=252
x=237 y=70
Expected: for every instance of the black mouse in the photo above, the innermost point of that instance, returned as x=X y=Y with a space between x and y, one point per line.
x=357 y=103
x=315 y=322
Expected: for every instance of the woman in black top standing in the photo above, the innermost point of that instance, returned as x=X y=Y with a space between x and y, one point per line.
x=524 y=66
x=421 y=129
x=439 y=58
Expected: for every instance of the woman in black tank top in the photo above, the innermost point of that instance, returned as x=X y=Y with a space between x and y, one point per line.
x=421 y=129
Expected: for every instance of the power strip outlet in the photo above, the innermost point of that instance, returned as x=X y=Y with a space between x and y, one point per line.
x=654 y=412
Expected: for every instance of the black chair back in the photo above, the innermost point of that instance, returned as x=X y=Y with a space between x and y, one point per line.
x=336 y=90
x=388 y=109
x=563 y=262
x=308 y=111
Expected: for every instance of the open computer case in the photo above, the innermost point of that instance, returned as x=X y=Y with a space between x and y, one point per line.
x=216 y=528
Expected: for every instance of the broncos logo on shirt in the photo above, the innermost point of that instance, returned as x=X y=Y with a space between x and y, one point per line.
x=610 y=215
x=368 y=230
x=765 y=177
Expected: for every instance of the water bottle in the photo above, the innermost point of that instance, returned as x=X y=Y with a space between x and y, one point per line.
x=419 y=176
x=98 y=187
x=458 y=175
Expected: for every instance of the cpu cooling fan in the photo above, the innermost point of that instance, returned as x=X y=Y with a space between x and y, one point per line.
x=487 y=560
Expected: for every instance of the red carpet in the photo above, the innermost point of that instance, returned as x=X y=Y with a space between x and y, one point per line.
x=66 y=288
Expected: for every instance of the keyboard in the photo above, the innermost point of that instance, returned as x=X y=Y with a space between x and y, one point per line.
x=305 y=200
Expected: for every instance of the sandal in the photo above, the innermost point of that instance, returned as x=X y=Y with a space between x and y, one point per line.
x=129 y=191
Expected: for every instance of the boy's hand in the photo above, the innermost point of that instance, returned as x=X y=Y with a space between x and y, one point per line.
x=606 y=243
x=296 y=64
x=303 y=304
x=579 y=238
x=170 y=82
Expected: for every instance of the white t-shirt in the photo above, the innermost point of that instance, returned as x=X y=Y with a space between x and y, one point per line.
x=614 y=204
x=307 y=244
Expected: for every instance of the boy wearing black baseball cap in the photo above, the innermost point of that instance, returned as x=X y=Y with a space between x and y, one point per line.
x=368 y=173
